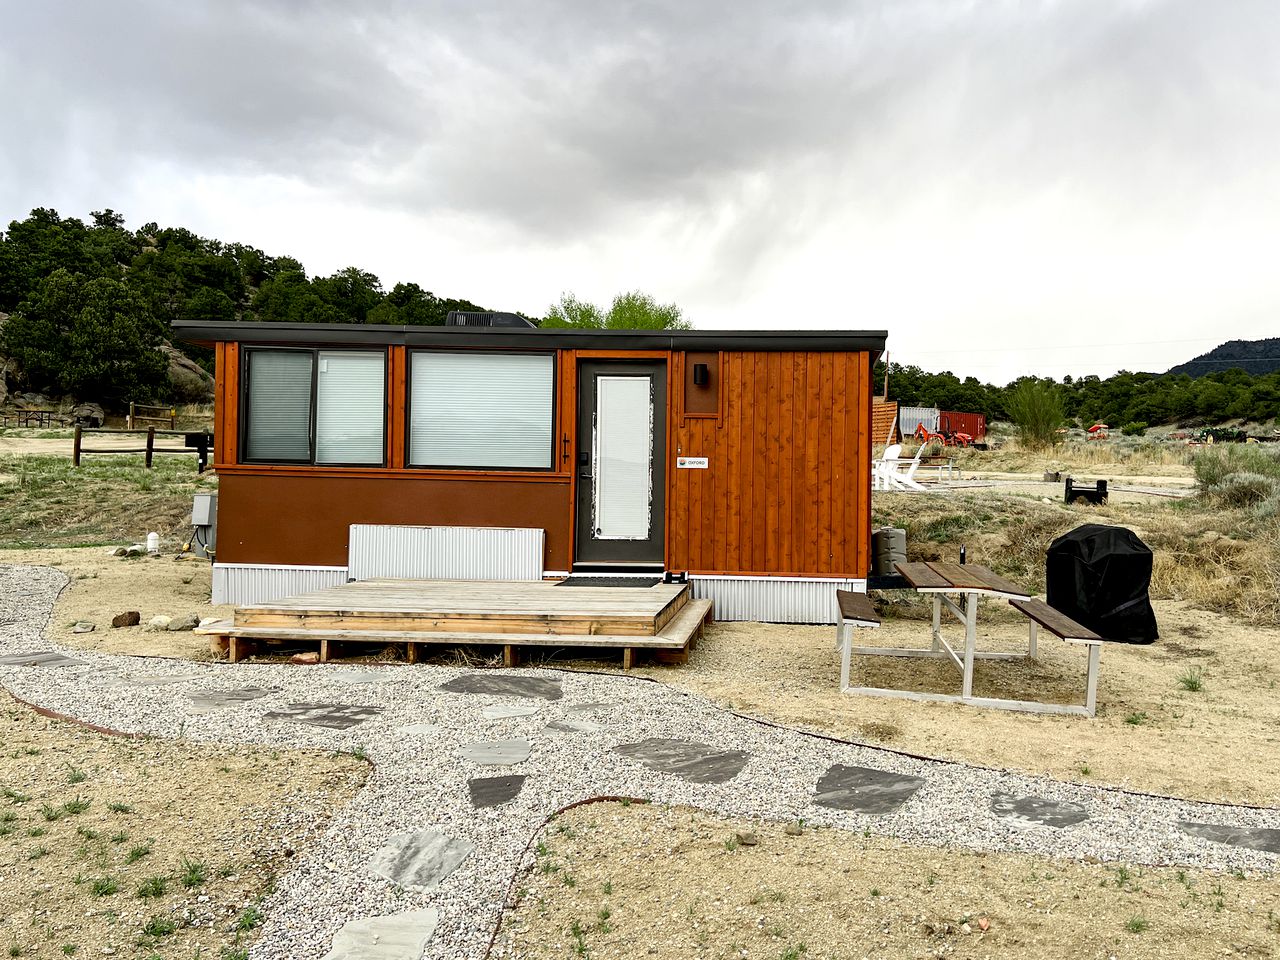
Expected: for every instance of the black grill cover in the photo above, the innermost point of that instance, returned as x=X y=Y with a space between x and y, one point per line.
x=1099 y=576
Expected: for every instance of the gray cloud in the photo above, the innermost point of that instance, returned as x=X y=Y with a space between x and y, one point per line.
x=559 y=120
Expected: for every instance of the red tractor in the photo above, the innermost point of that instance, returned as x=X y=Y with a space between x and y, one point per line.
x=956 y=439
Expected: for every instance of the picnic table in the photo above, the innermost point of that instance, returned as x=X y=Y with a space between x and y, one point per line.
x=957 y=588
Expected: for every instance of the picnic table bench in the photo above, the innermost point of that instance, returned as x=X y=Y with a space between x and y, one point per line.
x=970 y=582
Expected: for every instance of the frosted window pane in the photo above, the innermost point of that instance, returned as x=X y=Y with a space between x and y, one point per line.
x=480 y=410
x=624 y=448
x=350 y=407
x=279 y=406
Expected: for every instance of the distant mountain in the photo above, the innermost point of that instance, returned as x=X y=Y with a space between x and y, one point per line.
x=1252 y=356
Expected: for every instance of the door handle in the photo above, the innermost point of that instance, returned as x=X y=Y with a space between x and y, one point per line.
x=584 y=465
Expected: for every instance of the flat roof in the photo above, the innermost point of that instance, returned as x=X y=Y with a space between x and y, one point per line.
x=516 y=338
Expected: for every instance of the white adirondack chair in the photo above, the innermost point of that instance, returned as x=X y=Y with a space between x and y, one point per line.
x=895 y=472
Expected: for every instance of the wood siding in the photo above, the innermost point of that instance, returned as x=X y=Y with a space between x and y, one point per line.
x=788 y=488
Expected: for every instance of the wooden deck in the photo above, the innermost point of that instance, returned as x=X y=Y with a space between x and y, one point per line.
x=662 y=618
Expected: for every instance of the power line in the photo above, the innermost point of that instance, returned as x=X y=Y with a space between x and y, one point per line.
x=1066 y=346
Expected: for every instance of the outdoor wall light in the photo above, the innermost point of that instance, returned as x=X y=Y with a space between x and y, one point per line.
x=701 y=375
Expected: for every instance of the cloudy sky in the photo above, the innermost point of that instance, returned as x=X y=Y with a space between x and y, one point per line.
x=1006 y=187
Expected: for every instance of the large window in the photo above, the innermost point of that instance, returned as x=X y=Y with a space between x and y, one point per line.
x=481 y=410
x=315 y=406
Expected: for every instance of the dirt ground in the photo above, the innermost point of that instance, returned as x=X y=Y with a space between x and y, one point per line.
x=673 y=883
x=102 y=586
x=1150 y=734
x=147 y=847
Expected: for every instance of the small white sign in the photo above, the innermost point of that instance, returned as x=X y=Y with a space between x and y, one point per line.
x=692 y=463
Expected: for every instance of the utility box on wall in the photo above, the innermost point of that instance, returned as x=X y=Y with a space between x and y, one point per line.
x=204 y=518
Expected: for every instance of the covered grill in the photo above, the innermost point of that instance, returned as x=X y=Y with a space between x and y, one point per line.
x=1100 y=577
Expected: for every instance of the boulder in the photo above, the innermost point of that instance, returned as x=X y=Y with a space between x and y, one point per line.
x=88 y=415
x=159 y=622
x=130 y=618
x=191 y=383
x=303 y=659
x=189 y=622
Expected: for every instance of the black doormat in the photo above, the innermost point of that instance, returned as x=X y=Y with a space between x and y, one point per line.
x=610 y=582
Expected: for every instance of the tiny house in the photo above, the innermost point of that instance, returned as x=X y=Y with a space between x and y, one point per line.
x=738 y=460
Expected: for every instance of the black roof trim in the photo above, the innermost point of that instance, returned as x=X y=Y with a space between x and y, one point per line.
x=359 y=334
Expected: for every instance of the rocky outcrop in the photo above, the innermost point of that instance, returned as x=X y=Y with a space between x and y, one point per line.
x=191 y=382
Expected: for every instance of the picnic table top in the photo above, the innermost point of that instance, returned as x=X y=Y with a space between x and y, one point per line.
x=941 y=577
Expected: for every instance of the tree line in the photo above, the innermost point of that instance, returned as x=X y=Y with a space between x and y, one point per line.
x=1133 y=400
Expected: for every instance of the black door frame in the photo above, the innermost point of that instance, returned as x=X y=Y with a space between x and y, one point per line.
x=588 y=550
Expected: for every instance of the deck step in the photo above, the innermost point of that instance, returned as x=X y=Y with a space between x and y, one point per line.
x=414 y=636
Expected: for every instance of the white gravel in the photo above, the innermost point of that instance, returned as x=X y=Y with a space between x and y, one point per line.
x=420 y=780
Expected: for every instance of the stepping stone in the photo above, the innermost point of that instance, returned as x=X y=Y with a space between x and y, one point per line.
x=44 y=658
x=501 y=711
x=1037 y=812
x=502 y=685
x=863 y=790
x=361 y=676
x=570 y=725
x=686 y=759
x=1266 y=839
x=497 y=752
x=334 y=716
x=420 y=858
x=494 y=791
x=401 y=936
x=206 y=701
x=420 y=729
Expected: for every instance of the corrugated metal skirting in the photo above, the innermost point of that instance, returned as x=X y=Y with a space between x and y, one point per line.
x=258 y=583
x=445 y=553
x=911 y=417
x=773 y=599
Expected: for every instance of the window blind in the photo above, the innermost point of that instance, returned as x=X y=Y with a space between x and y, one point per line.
x=480 y=410
x=279 y=406
x=350 y=407
x=624 y=452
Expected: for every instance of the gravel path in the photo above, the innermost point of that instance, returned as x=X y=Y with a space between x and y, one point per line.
x=417 y=735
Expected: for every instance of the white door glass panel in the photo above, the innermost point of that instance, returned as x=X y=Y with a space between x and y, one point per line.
x=279 y=406
x=623 y=458
x=481 y=410
x=350 y=407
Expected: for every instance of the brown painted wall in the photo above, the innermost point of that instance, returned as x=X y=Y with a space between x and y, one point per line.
x=289 y=519
x=789 y=484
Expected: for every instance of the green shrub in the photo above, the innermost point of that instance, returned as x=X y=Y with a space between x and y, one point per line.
x=1246 y=489
x=1134 y=428
x=1035 y=407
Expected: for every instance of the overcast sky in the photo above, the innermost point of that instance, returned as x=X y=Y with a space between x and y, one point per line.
x=1007 y=188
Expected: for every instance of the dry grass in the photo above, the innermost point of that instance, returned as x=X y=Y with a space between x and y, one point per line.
x=620 y=882
x=147 y=848
x=48 y=502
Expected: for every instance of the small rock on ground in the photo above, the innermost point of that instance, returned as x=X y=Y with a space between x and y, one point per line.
x=130 y=618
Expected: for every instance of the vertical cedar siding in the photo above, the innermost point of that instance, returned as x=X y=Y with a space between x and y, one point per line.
x=788 y=488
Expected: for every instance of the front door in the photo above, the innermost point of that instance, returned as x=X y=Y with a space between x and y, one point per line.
x=622 y=443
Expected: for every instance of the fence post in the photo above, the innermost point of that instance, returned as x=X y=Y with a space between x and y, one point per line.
x=173 y=418
x=75 y=447
x=129 y=423
x=151 y=443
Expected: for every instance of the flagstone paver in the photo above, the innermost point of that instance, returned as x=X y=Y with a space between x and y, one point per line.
x=865 y=790
x=1037 y=811
x=495 y=791
x=1249 y=838
x=336 y=716
x=400 y=936
x=686 y=759
x=506 y=685
x=419 y=858
x=497 y=752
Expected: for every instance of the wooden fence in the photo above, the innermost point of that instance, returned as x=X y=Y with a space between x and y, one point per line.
x=167 y=415
x=197 y=442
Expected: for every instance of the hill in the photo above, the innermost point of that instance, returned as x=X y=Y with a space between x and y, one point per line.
x=1252 y=356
